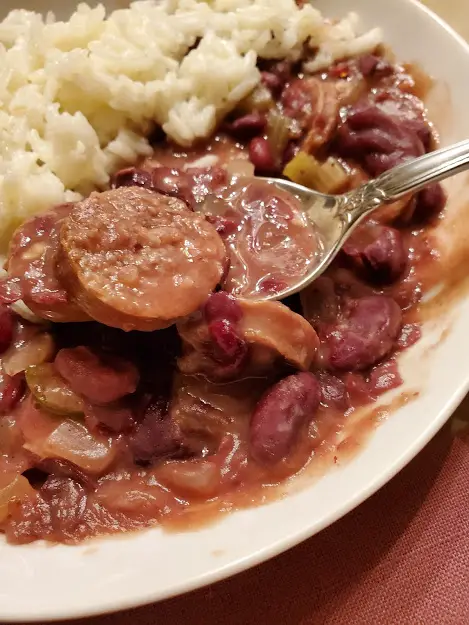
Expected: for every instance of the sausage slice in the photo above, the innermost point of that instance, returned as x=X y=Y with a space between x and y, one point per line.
x=137 y=260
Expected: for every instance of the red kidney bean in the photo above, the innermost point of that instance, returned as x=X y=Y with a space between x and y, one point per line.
x=378 y=139
x=117 y=417
x=272 y=81
x=227 y=347
x=11 y=391
x=384 y=377
x=357 y=389
x=429 y=203
x=7 y=326
x=223 y=226
x=333 y=391
x=100 y=379
x=222 y=305
x=366 y=334
x=67 y=469
x=296 y=99
x=281 y=69
x=132 y=177
x=280 y=415
x=190 y=186
x=376 y=163
x=260 y=155
x=156 y=436
x=379 y=250
x=410 y=333
x=10 y=290
x=372 y=65
x=271 y=285
x=248 y=125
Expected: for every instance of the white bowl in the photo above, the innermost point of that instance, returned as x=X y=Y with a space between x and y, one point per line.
x=39 y=582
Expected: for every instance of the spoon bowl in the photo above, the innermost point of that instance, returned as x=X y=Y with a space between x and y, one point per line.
x=334 y=217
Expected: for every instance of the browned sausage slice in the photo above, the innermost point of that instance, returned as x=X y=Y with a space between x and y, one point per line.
x=32 y=261
x=137 y=260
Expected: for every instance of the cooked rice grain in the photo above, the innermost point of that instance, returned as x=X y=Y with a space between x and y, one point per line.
x=78 y=98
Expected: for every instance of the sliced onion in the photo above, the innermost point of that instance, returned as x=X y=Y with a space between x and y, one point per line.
x=25 y=353
x=200 y=478
x=72 y=441
x=23 y=311
x=13 y=487
x=209 y=160
x=135 y=496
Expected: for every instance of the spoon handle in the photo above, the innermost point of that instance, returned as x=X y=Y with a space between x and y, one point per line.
x=418 y=173
x=409 y=177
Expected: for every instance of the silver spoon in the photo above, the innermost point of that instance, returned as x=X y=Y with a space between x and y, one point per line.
x=336 y=216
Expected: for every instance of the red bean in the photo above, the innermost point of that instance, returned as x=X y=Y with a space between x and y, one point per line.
x=248 y=125
x=132 y=177
x=333 y=391
x=366 y=334
x=223 y=226
x=11 y=391
x=100 y=380
x=379 y=250
x=156 y=436
x=280 y=415
x=221 y=305
x=372 y=65
x=429 y=203
x=272 y=81
x=7 y=326
x=271 y=285
x=384 y=377
x=381 y=140
x=10 y=290
x=260 y=155
x=66 y=469
x=282 y=70
x=117 y=417
x=227 y=348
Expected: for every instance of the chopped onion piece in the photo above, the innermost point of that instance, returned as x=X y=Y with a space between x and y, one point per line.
x=23 y=311
x=327 y=177
x=72 y=441
x=22 y=354
x=199 y=478
x=209 y=160
x=13 y=487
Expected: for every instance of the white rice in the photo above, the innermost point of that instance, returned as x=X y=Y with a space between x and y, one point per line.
x=77 y=98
